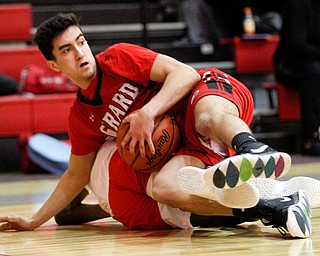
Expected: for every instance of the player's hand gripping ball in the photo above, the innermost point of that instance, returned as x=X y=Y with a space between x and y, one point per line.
x=166 y=140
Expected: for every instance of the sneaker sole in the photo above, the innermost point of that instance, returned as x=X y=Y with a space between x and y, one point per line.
x=270 y=189
x=299 y=217
x=235 y=170
x=192 y=182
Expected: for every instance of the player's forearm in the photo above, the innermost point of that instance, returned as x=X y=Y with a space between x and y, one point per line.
x=176 y=86
x=68 y=187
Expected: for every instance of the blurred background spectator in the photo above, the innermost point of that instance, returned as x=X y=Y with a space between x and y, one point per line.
x=8 y=86
x=297 y=62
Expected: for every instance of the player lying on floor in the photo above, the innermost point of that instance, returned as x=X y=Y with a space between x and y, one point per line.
x=124 y=194
x=213 y=109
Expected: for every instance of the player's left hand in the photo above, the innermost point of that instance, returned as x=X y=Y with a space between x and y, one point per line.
x=140 y=132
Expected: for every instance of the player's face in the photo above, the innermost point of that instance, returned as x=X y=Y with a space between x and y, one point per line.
x=74 y=57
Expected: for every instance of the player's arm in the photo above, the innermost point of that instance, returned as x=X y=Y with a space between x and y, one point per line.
x=70 y=185
x=178 y=80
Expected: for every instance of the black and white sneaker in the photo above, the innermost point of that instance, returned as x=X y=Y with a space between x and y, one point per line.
x=270 y=189
x=290 y=214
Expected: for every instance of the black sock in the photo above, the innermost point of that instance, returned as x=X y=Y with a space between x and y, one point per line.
x=217 y=221
x=241 y=140
x=254 y=212
x=244 y=142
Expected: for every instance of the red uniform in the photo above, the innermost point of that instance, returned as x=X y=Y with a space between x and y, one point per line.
x=120 y=87
x=123 y=85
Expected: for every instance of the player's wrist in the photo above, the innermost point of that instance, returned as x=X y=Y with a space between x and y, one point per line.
x=151 y=113
x=33 y=225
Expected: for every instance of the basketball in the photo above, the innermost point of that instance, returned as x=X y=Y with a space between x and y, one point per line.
x=166 y=140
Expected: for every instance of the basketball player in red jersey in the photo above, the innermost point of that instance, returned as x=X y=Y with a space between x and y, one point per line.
x=215 y=119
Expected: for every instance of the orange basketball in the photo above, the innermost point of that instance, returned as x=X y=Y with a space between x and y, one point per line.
x=166 y=140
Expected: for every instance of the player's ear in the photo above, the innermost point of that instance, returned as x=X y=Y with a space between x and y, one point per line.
x=53 y=65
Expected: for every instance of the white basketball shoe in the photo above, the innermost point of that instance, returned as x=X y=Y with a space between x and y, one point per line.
x=235 y=170
x=193 y=182
x=270 y=189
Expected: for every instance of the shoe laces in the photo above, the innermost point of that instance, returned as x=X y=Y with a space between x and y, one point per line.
x=281 y=230
x=271 y=217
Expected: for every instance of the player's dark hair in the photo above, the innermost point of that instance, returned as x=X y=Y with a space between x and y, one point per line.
x=52 y=28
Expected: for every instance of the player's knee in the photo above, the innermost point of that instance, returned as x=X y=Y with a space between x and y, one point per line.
x=160 y=191
x=166 y=192
x=204 y=122
x=63 y=217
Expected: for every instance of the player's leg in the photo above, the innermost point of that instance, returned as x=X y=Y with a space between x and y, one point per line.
x=78 y=213
x=220 y=112
x=164 y=188
x=130 y=204
x=128 y=200
x=218 y=118
x=288 y=214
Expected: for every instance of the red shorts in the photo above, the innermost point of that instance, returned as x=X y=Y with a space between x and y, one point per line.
x=214 y=82
x=128 y=199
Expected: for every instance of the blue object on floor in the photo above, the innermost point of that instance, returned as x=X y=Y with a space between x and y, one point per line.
x=49 y=153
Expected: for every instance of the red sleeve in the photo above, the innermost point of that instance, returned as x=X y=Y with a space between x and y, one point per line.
x=83 y=140
x=128 y=61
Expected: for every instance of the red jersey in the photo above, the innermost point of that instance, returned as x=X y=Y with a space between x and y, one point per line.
x=122 y=84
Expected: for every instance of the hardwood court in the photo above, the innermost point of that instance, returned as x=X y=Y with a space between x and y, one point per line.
x=108 y=237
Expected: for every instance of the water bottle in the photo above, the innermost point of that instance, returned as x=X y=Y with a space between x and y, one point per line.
x=249 y=26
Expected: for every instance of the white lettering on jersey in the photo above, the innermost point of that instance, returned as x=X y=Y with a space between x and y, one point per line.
x=130 y=90
x=122 y=101
x=208 y=76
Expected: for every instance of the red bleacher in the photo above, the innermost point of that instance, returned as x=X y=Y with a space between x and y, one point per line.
x=26 y=113
x=16 y=22
x=255 y=55
x=21 y=114
x=288 y=101
x=14 y=59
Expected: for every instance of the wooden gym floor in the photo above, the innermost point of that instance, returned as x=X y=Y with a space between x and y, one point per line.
x=23 y=194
